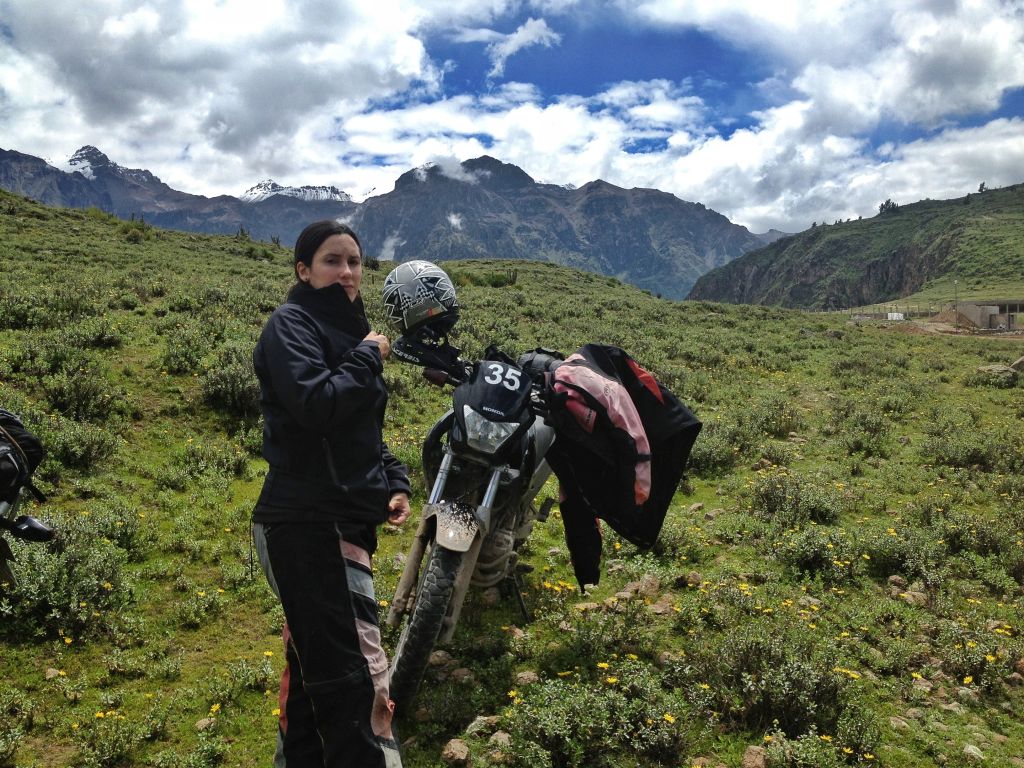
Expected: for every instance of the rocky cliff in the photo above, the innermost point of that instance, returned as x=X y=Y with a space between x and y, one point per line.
x=872 y=260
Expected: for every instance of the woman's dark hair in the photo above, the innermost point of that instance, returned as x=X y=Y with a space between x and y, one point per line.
x=313 y=236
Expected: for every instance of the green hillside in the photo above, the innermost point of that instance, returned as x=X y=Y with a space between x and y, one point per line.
x=915 y=250
x=838 y=581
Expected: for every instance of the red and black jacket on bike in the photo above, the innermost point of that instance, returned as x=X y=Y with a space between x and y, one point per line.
x=623 y=443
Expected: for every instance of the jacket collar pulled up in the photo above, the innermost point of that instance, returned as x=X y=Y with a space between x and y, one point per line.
x=331 y=304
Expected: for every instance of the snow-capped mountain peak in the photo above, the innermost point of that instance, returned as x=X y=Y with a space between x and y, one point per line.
x=86 y=160
x=269 y=188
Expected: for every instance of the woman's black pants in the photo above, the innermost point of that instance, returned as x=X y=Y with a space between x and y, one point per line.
x=335 y=709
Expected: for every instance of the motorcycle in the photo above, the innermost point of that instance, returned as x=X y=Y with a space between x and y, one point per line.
x=485 y=462
x=23 y=527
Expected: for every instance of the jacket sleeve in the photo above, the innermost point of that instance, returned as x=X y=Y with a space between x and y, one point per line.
x=317 y=397
x=396 y=472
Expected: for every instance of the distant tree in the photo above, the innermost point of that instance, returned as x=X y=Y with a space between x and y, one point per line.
x=967 y=200
x=982 y=187
x=814 y=224
x=887 y=206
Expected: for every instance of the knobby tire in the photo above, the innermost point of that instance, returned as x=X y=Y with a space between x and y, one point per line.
x=417 y=640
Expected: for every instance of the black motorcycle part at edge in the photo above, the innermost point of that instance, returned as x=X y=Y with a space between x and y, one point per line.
x=27 y=528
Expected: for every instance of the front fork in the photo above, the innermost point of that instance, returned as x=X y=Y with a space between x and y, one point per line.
x=457 y=527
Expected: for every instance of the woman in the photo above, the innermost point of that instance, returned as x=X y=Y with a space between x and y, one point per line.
x=331 y=482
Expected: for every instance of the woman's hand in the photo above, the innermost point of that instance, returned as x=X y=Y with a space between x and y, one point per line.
x=382 y=343
x=399 y=508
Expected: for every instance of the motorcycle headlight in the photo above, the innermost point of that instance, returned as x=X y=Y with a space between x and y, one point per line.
x=484 y=435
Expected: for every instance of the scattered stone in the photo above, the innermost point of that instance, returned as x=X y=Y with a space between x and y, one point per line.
x=755 y=757
x=956 y=709
x=554 y=552
x=807 y=601
x=483 y=724
x=696 y=507
x=456 y=752
x=462 y=675
x=936 y=725
x=649 y=585
x=694 y=578
x=922 y=685
x=1015 y=680
x=1018 y=364
x=665 y=605
x=915 y=714
x=399 y=558
x=440 y=659
x=914 y=598
x=966 y=694
x=584 y=607
x=899 y=724
x=517 y=633
x=526 y=677
x=500 y=739
x=206 y=723
x=665 y=658
x=1019 y=666
x=625 y=594
x=1000 y=375
x=897 y=581
x=904 y=440
x=491 y=596
x=973 y=754
x=52 y=673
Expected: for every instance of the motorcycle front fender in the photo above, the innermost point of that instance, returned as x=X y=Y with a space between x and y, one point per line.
x=456 y=524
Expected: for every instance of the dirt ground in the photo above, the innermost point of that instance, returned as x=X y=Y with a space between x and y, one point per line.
x=946 y=323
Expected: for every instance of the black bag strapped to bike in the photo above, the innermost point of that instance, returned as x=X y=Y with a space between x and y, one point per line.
x=20 y=453
x=623 y=443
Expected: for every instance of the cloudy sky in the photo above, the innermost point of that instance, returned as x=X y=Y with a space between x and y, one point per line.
x=775 y=114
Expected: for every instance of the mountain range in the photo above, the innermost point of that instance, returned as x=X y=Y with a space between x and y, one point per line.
x=481 y=208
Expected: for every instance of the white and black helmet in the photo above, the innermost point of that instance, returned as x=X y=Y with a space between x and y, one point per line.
x=420 y=293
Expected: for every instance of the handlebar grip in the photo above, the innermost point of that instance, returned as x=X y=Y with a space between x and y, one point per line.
x=435 y=377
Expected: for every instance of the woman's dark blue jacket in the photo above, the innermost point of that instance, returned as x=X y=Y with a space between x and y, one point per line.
x=323 y=400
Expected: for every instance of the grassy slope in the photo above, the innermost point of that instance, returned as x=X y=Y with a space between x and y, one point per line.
x=977 y=243
x=899 y=462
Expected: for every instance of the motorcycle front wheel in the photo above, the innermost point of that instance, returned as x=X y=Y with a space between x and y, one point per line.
x=421 y=631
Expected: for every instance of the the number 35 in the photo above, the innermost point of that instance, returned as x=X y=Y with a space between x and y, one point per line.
x=507 y=377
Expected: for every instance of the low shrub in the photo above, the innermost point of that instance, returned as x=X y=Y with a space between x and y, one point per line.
x=904 y=550
x=72 y=587
x=816 y=551
x=74 y=444
x=592 y=720
x=773 y=671
x=229 y=383
x=209 y=458
x=790 y=500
